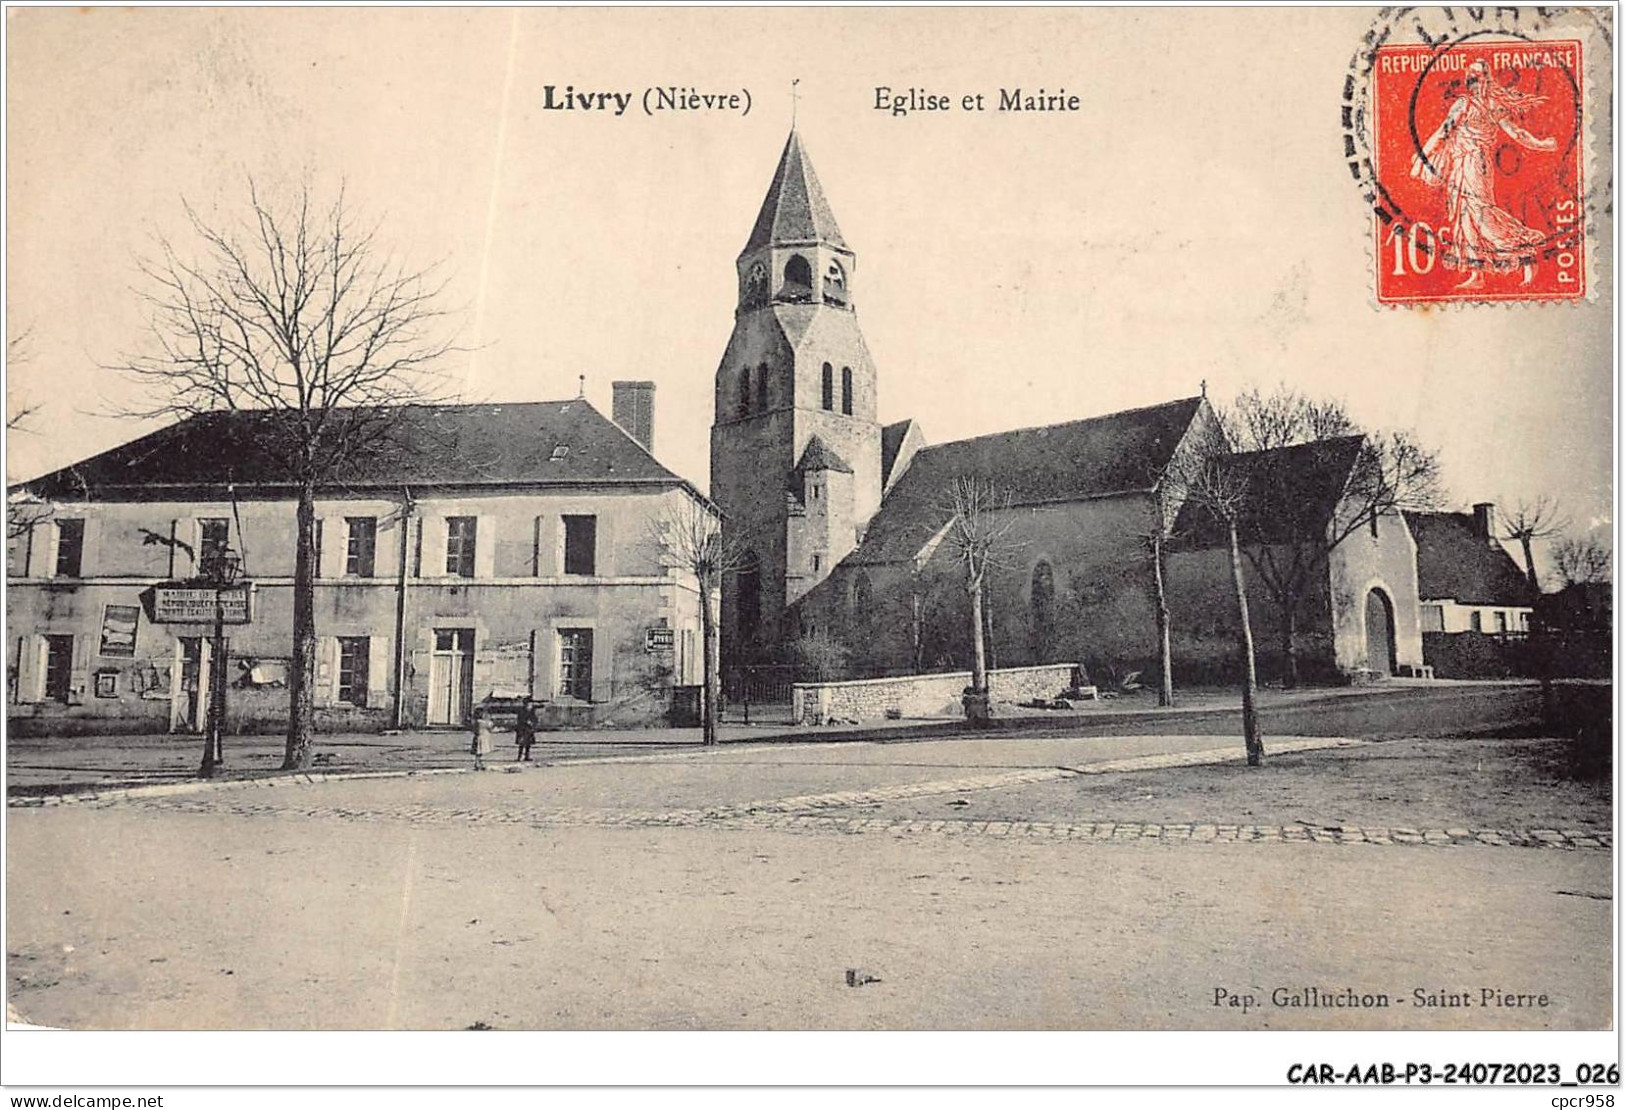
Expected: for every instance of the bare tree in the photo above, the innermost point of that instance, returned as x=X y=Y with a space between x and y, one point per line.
x=1220 y=486
x=979 y=535
x=1286 y=530
x=19 y=411
x=1528 y=521
x=1583 y=560
x=297 y=314
x=692 y=535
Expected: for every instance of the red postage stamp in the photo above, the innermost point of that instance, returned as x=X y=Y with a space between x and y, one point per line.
x=1479 y=151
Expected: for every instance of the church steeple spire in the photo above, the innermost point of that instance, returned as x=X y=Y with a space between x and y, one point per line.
x=794 y=210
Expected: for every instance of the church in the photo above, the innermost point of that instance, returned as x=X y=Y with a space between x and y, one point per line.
x=842 y=518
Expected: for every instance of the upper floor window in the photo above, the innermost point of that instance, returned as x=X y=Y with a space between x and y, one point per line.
x=316 y=544
x=213 y=541
x=359 y=555
x=744 y=391
x=846 y=390
x=829 y=388
x=755 y=285
x=460 y=539
x=761 y=388
x=70 y=547
x=580 y=545
x=214 y=536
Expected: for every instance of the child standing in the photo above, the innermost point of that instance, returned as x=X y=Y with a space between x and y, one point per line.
x=481 y=745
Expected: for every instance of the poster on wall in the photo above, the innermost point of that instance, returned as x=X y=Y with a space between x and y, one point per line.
x=118 y=631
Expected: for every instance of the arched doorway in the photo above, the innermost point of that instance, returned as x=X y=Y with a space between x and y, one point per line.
x=1379 y=632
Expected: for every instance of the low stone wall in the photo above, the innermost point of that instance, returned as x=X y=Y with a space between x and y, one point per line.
x=920 y=695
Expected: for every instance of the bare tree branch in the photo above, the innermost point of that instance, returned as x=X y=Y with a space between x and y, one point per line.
x=1528 y=521
x=1583 y=560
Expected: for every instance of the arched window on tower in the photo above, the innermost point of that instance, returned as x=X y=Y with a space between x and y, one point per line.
x=797 y=279
x=829 y=388
x=761 y=388
x=1041 y=611
x=835 y=284
x=846 y=390
x=744 y=391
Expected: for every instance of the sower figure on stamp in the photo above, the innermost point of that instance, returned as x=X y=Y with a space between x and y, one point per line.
x=1459 y=158
x=524 y=729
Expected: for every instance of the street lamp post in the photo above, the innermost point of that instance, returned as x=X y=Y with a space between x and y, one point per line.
x=220 y=571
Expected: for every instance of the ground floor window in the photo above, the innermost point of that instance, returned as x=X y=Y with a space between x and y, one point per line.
x=354 y=662
x=575 y=663
x=1433 y=618
x=58 y=668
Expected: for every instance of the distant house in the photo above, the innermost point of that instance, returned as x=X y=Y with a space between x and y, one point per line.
x=479 y=549
x=1466 y=581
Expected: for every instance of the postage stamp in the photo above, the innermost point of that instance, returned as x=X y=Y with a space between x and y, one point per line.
x=1479 y=161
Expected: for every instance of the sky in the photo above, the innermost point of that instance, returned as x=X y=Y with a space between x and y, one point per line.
x=1193 y=221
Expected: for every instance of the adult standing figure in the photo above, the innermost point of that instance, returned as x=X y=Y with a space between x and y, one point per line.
x=1460 y=159
x=524 y=729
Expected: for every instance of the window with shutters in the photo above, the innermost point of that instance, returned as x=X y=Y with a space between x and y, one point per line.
x=70 y=547
x=360 y=552
x=58 y=668
x=580 y=545
x=460 y=539
x=575 y=663
x=354 y=664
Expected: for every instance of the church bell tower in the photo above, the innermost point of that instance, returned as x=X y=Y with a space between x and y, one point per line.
x=795 y=446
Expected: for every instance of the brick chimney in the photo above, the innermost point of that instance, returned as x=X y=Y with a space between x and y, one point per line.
x=634 y=410
x=1484 y=521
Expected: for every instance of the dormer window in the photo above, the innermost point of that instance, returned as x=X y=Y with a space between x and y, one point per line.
x=560 y=453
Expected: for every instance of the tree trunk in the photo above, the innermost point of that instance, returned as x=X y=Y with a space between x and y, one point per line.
x=1529 y=563
x=1165 y=646
x=302 y=667
x=1289 y=645
x=978 y=671
x=1249 y=687
x=709 y=660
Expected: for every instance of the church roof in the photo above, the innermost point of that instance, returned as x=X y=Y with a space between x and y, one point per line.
x=794 y=210
x=892 y=437
x=820 y=456
x=1455 y=562
x=544 y=442
x=1291 y=493
x=1118 y=453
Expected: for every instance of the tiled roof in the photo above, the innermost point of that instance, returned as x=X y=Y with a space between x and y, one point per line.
x=794 y=210
x=1117 y=453
x=820 y=456
x=1290 y=493
x=1453 y=561
x=546 y=442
